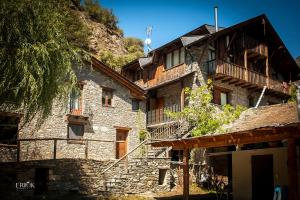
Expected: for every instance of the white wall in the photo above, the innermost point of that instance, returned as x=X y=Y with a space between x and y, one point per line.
x=241 y=170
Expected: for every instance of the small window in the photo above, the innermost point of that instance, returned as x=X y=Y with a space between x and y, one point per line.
x=220 y=97
x=75 y=131
x=182 y=55
x=224 y=98
x=176 y=57
x=76 y=100
x=107 y=96
x=162 y=176
x=169 y=61
x=251 y=101
x=135 y=104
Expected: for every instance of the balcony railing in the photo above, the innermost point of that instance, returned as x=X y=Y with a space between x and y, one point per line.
x=248 y=76
x=167 y=76
x=157 y=116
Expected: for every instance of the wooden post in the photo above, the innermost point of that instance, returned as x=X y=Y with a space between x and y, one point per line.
x=54 y=149
x=267 y=67
x=292 y=170
x=186 y=174
x=246 y=64
x=18 y=151
x=86 y=149
x=182 y=97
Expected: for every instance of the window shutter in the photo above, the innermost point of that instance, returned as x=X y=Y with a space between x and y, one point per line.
x=182 y=55
x=217 y=96
x=176 y=57
x=169 y=60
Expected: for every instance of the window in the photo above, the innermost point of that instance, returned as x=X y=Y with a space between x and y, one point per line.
x=75 y=131
x=162 y=176
x=137 y=75
x=107 y=96
x=220 y=97
x=251 y=101
x=224 y=98
x=135 y=104
x=175 y=57
x=8 y=128
x=76 y=101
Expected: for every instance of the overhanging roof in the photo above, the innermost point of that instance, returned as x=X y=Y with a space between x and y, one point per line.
x=267 y=123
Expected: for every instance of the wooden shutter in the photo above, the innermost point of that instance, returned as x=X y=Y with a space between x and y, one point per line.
x=217 y=96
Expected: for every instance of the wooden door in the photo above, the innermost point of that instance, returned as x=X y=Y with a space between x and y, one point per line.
x=159 y=110
x=262 y=177
x=121 y=146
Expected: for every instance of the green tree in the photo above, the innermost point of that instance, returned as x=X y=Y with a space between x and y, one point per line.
x=206 y=117
x=101 y=15
x=37 y=53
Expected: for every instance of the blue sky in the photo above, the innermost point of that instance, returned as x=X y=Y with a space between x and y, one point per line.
x=173 y=18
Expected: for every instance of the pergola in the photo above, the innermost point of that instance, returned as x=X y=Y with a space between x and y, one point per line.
x=287 y=132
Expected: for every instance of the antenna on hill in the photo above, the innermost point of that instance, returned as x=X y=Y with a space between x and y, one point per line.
x=148 y=39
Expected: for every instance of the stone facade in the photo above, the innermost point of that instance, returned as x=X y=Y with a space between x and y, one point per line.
x=102 y=123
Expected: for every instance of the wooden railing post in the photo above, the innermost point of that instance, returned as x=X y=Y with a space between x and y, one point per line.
x=18 y=150
x=86 y=149
x=54 y=149
x=246 y=64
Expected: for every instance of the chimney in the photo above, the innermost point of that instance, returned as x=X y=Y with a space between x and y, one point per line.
x=216 y=18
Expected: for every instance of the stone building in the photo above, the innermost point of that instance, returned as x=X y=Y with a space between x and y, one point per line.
x=80 y=146
x=76 y=147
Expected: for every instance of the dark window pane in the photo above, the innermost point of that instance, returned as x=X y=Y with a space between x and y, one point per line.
x=75 y=131
x=135 y=104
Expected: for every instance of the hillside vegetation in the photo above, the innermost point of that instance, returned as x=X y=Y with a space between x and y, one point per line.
x=105 y=38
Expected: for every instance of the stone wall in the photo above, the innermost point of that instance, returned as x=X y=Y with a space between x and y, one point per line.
x=101 y=125
x=8 y=153
x=86 y=177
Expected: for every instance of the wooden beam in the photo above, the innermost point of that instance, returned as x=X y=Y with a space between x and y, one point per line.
x=239 y=84
x=245 y=64
x=246 y=85
x=292 y=170
x=227 y=79
x=182 y=96
x=186 y=174
x=233 y=82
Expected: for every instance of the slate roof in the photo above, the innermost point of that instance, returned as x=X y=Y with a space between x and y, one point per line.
x=265 y=116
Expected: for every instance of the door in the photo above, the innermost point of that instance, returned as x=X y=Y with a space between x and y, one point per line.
x=121 y=146
x=40 y=180
x=159 y=114
x=262 y=177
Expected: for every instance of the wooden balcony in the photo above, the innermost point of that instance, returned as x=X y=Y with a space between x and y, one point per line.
x=159 y=116
x=166 y=76
x=253 y=46
x=238 y=75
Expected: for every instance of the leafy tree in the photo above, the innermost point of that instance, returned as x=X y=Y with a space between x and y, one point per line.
x=206 y=117
x=101 y=15
x=37 y=52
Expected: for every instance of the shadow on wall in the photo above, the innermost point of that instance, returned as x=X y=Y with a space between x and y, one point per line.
x=64 y=177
